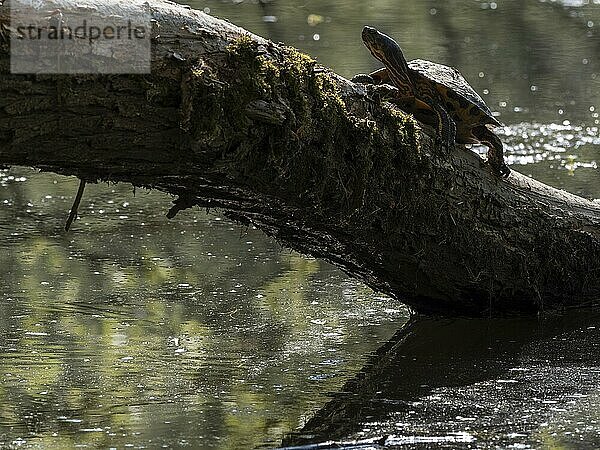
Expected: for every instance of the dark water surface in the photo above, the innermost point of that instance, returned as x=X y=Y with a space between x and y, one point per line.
x=135 y=331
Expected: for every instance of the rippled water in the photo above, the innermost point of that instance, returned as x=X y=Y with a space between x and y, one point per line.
x=504 y=383
x=136 y=331
x=562 y=155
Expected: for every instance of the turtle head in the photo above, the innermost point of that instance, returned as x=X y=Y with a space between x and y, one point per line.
x=387 y=50
x=384 y=48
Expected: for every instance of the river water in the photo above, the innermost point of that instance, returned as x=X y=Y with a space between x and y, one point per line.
x=136 y=331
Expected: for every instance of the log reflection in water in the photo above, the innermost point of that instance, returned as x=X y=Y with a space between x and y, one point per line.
x=393 y=394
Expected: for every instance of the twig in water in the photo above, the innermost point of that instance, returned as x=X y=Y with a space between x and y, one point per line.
x=73 y=213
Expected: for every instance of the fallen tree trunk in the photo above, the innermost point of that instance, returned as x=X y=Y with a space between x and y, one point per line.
x=229 y=120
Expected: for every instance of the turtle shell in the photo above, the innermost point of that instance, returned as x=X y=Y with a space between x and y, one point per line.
x=460 y=98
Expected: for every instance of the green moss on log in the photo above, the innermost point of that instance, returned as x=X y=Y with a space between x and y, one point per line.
x=319 y=154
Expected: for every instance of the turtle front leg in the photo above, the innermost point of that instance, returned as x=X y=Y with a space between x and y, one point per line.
x=495 y=152
x=380 y=76
x=387 y=92
x=446 y=127
x=363 y=78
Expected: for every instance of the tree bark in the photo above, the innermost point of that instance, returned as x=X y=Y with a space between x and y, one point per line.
x=230 y=120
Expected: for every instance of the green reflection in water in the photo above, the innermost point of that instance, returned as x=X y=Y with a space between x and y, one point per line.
x=137 y=330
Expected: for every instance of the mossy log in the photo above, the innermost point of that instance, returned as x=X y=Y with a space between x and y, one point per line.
x=230 y=120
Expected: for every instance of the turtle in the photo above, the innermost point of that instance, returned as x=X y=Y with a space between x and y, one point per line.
x=437 y=95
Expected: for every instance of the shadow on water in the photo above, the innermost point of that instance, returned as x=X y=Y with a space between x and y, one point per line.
x=496 y=381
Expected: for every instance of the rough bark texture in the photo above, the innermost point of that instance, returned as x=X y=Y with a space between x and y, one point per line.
x=230 y=120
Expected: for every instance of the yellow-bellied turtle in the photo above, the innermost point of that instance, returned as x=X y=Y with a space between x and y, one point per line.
x=438 y=95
